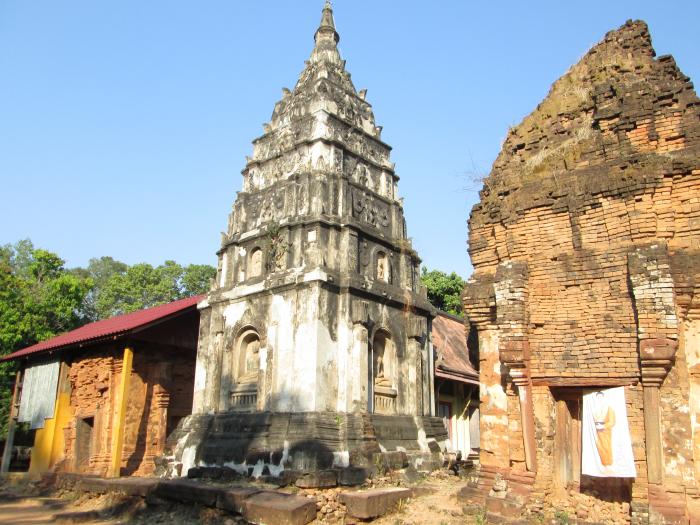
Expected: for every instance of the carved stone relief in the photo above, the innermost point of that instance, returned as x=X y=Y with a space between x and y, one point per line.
x=369 y=209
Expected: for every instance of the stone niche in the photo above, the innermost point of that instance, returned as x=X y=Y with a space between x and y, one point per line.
x=314 y=348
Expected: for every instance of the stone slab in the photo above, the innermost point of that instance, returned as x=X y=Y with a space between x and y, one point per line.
x=233 y=500
x=129 y=486
x=318 y=479
x=352 y=476
x=373 y=503
x=274 y=508
x=133 y=486
x=188 y=491
x=92 y=484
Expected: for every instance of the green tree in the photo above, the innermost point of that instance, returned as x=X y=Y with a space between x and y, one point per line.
x=444 y=290
x=100 y=270
x=39 y=298
x=196 y=279
x=143 y=286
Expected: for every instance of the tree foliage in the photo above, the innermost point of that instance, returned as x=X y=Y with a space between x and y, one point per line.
x=100 y=271
x=142 y=286
x=39 y=298
x=444 y=290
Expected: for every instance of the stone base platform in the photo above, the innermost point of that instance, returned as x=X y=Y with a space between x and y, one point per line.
x=269 y=444
x=256 y=506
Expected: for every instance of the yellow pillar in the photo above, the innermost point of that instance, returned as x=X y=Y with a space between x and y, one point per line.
x=49 y=441
x=120 y=416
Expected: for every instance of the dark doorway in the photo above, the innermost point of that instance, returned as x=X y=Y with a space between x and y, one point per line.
x=83 y=442
x=445 y=412
x=567 y=438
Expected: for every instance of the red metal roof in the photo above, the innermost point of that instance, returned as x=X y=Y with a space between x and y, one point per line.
x=450 y=342
x=112 y=327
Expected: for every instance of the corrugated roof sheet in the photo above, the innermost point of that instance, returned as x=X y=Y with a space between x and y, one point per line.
x=450 y=343
x=112 y=327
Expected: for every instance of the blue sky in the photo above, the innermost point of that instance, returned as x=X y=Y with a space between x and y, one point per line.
x=124 y=125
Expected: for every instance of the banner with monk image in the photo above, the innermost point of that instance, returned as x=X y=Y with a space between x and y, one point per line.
x=607 y=446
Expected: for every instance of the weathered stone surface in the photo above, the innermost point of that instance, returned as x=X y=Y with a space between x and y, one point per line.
x=411 y=475
x=274 y=508
x=233 y=499
x=129 y=486
x=281 y=442
x=195 y=472
x=352 y=476
x=585 y=245
x=394 y=460
x=373 y=503
x=317 y=321
x=189 y=491
x=317 y=479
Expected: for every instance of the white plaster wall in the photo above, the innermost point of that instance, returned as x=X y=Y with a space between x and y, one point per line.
x=200 y=384
x=281 y=339
x=224 y=270
x=326 y=370
x=359 y=358
x=305 y=356
x=344 y=364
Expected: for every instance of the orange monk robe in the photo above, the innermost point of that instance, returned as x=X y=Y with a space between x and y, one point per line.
x=603 y=437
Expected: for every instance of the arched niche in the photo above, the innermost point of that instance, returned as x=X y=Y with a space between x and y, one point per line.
x=255 y=263
x=382 y=373
x=246 y=366
x=382 y=267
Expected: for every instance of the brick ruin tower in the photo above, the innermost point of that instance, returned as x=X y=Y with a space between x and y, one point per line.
x=314 y=349
x=586 y=251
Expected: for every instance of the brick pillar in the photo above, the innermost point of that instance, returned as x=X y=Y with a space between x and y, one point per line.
x=161 y=403
x=654 y=303
x=511 y=297
x=656 y=358
x=515 y=355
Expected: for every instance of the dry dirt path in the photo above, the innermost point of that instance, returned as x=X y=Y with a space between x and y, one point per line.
x=29 y=511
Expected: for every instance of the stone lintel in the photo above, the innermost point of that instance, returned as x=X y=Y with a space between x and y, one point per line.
x=584 y=382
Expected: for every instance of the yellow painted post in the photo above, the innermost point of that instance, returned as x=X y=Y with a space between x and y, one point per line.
x=49 y=441
x=120 y=416
x=63 y=417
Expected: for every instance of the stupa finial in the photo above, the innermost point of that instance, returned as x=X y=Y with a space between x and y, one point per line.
x=326 y=28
